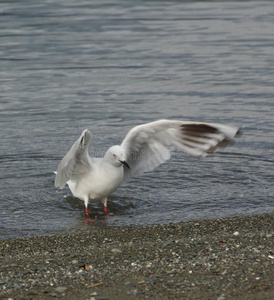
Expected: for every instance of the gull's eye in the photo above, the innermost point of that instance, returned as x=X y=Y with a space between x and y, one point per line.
x=114 y=155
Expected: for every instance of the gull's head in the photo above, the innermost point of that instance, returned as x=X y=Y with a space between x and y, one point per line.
x=116 y=156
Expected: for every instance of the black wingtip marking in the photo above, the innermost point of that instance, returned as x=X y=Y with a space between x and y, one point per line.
x=198 y=128
x=239 y=133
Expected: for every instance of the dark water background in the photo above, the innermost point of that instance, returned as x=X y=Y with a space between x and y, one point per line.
x=110 y=65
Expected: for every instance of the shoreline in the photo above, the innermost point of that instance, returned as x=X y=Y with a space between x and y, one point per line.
x=230 y=258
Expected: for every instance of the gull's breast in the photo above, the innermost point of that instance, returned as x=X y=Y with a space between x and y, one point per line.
x=99 y=183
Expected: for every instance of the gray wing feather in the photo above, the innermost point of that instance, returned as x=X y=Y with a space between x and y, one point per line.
x=149 y=145
x=75 y=162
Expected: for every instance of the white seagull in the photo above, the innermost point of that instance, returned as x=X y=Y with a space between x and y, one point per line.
x=143 y=149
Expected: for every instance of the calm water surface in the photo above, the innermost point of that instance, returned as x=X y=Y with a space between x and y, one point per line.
x=110 y=65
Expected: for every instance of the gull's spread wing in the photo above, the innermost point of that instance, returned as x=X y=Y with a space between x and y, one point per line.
x=148 y=145
x=76 y=162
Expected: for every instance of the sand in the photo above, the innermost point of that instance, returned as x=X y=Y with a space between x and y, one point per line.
x=211 y=259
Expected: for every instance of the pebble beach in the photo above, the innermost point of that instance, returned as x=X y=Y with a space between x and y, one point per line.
x=219 y=259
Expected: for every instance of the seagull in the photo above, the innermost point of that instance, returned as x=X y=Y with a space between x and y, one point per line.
x=143 y=149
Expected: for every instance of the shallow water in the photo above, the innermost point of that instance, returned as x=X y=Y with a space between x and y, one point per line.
x=110 y=65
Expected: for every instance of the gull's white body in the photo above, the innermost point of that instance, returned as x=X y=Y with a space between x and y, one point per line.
x=101 y=181
x=144 y=148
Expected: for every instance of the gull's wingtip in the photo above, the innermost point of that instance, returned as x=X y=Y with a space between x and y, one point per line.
x=86 y=131
x=239 y=132
x=86 y=134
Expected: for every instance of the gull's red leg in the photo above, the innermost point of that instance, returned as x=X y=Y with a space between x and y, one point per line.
x=87 y=219
x=86 y=211
x=106 y=212
x=105 y=207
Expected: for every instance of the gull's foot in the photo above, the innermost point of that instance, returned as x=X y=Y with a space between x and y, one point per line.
x=90 y=221
x=109 y=216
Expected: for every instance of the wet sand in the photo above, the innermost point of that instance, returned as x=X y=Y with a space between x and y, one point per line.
x=210 y=259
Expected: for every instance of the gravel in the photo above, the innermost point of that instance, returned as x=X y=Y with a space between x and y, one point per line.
x=210 y=259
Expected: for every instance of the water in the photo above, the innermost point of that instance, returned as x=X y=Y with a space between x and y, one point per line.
x=110 y=65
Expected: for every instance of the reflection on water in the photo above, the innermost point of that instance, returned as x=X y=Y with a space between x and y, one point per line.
x=110 y=65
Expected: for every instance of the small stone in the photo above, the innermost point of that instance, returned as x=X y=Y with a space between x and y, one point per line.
x=53 y=295
x=61 y=289
x=127 y=283
x=33 y=293
x=94 y=294
x=221 y=297
x=116 y=250
x=153 y=280
x=236 y=233
x=74 y=261
x=269 y=235
x=87 y=267
x=133 y=292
